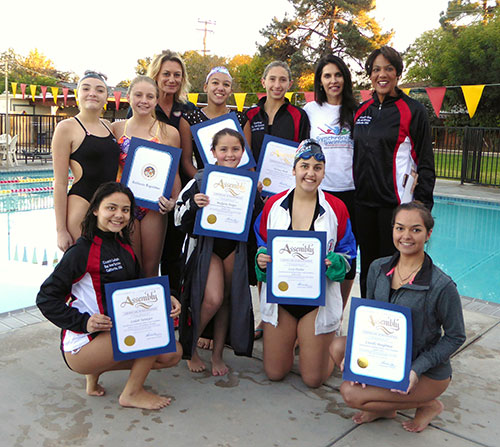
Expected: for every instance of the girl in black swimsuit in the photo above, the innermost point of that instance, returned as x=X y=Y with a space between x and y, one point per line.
x=85 y=145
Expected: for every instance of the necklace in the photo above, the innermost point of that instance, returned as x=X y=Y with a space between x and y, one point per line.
x=406 y=278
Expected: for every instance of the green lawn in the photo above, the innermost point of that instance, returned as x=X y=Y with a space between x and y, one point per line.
x=450 y=166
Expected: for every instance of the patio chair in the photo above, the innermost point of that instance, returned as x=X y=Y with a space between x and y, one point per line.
x=11 y=152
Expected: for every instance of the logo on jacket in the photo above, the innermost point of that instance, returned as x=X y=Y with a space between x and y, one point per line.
x=363 y=120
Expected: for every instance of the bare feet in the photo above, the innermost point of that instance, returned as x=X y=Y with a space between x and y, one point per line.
x=93 y=387
x=205 y=343
x=363 y=417
x=219 y=368
x=423 y=416
x=196 y=363
x=144 y=399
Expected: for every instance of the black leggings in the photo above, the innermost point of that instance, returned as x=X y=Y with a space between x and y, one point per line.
x=374 y=236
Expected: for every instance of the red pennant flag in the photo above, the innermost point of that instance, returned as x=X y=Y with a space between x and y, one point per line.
x=23 y=89
x=65 y=94
x=117 y=94
x=366 y=95
x=309 y=96
x=436 y=96
x=260 y=95
x=44 y=92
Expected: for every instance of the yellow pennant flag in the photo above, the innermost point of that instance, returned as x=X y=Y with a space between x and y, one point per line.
x=239 y=98
x=33 y=91
x=14 y=88
x=406 y=91
x=55 y=92
x=289 y=96
x=76 y=96
x=193 y=97
x=472 y=95
x=105 y=106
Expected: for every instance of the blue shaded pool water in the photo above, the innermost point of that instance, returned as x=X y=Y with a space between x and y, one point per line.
x=466 y=245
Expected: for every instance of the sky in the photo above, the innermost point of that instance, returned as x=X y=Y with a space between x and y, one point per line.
x=109 y=35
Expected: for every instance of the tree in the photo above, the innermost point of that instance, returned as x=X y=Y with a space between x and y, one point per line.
x=142 y=66
x=467 y=56
x=465 y=11
x=199 y=66
x=35 y=68
x=248 y=75
x=342 y=27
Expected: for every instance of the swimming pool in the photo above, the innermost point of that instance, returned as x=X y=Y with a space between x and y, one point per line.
x=465 y=244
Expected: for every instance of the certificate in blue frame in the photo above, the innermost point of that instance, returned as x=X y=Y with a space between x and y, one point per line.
x=150 y=170
x=297 y=272
x=379 y=344
x=283 y=175
x=140 y=312
x=203 y=133
x=219 y=218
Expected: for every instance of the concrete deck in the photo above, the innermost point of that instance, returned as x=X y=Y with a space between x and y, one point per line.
x=43 y=403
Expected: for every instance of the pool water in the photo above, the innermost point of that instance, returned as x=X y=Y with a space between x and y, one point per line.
x=465 y=244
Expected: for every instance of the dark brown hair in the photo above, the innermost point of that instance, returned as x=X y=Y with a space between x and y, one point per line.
x=227 y=131
x=424 y=212
x=390 y=54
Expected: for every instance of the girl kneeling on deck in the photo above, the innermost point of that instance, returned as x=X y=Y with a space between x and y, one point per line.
x=305 y=208
x=409 y=278
x=72 y=297
x=216 y=274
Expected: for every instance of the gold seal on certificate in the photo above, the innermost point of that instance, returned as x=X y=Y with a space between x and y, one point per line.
x=283 y=286
x=267 y=181
x=211 y=219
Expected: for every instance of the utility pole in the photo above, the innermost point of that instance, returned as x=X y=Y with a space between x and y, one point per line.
x=205 y=31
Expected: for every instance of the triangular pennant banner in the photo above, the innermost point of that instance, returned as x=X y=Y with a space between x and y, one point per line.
x=239 y=98
x=289 y=96
x=55 y=93
x=33 y=91
x=472 y=95
x=366 y=95
x=14 y=88
x=193 y=97
x=260 y=95
x=65 y=95
x=23 y=89
x=406 y=90
x=117 y=94
x=105 y=106
x=44 y=92
x=76 y=96
x=309 y=96
x=436 y=96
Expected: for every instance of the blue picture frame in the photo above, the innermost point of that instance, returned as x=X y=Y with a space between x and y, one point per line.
x=202 y=229
x=269 y=139
x=297 y=254
x=204 y=145
x=174 y=156
x=115 y=293
x=396 y=310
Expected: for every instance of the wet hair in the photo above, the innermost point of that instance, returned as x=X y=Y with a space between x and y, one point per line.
x=143 y=78
x=89 y=223
x=274 y=64
x=155 y=67
x=349 y=104
x=93 y=74
x=424 y=212
x=227 y=131
x=390 y=54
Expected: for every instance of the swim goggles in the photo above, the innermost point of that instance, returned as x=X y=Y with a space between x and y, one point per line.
x=307 y=149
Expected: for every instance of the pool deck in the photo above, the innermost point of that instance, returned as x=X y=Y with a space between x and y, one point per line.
x=43 y=403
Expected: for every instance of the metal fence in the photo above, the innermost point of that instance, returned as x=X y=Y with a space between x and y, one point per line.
x=468 y=154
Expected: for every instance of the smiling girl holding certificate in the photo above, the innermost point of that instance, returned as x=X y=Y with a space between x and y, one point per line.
x=216 y=282
x=72 y=298
x=306 y=207
x=149 y=227
x=410 y=279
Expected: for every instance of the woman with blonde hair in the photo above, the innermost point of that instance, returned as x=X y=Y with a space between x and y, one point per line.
x=149 y=225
